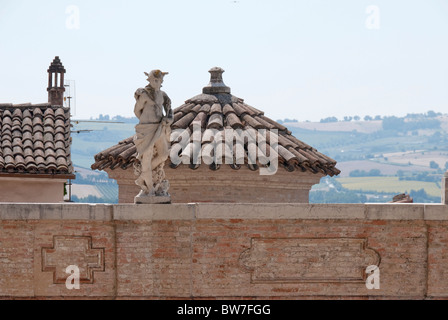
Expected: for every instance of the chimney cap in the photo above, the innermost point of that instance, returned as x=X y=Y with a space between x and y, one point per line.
x=216 y=84
x=56 y=66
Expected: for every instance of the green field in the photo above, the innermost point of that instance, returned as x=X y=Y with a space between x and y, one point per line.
x=389 y=185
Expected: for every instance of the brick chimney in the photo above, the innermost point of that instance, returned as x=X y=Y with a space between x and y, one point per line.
x=56 y=87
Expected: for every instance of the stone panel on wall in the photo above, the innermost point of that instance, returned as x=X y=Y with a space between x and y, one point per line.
x=317 y=260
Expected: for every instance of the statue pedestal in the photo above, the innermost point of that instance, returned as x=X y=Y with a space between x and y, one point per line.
x=145 y=199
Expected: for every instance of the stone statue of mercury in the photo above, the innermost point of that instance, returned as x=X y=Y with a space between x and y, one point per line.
x=152 y=139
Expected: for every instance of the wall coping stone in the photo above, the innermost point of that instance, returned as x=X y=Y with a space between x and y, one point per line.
x=192 y=211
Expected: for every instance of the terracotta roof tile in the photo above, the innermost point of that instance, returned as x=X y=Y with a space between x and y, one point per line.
x=6 y=143
x=184 y=121
x=216 y=108
x=218 y=111
x=49 y=122
x=39 y=153
x=28 y=144
x=186 y=108
x=16 y=124
x=201 y=119
x=37 y=112
x=276 y=125
x=205 y=108
x=60 y=137
x=9 y=163
x=60 y=145
x=29 y=159
x=17 y=113
x=28 y=152
x=60 y=114
x=49 y=113
x=177 y=116
x=227 y=109
x=215 y=121
x=35 y=139
x=26 y=114
x=196 y=108
x=60 y=123
x=233 y=121
x=264 y=123
x=27 y=128
x=37 y=121
x=38 y=128
x=7 y=152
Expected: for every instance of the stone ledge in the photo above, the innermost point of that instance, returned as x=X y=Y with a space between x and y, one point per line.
x=56 y=211
x=279 y=211
x=191 y=211
x=399 y=211
x=436 y=212
x=154 y=212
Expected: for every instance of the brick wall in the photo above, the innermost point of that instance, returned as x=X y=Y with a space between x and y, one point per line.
x=224 y=185
x=282 y=251
x=41 y=190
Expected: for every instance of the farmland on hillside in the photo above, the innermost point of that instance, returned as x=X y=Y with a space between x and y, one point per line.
x=389 y=185
x=387 y=169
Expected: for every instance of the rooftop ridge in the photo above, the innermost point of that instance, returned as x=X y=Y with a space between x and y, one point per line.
x=30 y=105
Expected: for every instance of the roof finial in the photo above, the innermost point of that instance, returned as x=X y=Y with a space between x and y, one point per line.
x=216 y=84
x=56 y=66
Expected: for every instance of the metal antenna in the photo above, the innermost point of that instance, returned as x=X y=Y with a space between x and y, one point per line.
x=68 y=84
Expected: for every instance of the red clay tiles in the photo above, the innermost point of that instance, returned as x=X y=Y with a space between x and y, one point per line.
x=35 y=139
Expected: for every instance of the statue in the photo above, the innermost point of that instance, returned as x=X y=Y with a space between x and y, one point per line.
x=152 y=139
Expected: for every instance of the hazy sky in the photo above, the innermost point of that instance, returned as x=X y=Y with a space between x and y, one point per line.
x=290 y=58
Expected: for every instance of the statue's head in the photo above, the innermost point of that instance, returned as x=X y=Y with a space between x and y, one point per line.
x=155 y=78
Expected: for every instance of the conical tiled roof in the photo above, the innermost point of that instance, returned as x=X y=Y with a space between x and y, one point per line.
x=215 y=110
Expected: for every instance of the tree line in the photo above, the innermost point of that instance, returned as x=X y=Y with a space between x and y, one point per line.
x=390 y=120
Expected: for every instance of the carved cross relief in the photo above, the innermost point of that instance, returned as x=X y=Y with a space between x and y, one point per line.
x=73 y=250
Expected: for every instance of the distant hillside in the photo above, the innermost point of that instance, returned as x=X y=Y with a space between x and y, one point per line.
x=362 y=126
x=404 y=150
x=340 y=126
x=413 y=149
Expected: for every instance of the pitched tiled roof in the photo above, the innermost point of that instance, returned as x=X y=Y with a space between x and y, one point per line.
x=216 y=110
x=35 y=139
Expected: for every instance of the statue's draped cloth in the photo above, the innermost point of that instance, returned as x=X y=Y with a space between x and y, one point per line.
x=147 y=134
